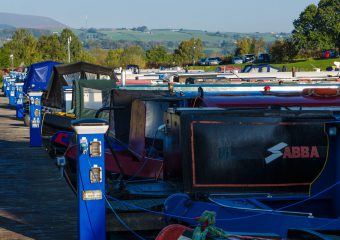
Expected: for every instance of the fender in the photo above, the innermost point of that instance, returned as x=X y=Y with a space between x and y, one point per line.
x=62 y=138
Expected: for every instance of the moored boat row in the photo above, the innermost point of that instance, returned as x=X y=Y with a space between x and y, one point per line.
x=261 y=156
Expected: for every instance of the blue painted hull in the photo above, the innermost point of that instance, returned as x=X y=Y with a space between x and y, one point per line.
x=243 y=220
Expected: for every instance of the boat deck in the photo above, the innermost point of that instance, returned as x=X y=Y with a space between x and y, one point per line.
x=35 y=202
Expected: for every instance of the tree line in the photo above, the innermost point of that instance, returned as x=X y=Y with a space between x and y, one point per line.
x=26 y=49
x=316 y=29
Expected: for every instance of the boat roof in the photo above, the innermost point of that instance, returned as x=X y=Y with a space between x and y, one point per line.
x=269 y=100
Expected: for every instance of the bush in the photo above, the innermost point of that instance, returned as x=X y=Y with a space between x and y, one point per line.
x=309 y=53
x=1 y=79
x=227 y=59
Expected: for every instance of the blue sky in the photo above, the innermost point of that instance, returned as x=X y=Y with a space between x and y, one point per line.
x=210 y=15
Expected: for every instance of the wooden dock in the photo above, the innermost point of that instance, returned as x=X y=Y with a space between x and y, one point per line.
x=35 y=202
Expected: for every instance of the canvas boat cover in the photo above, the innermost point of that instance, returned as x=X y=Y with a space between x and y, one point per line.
x=91 y=95
x=39 y=75
x=120 y=119
x=65 y=74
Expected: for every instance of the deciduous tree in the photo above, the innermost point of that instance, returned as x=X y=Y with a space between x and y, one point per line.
x=277 y=51
x=283 y=50
x=75 y=46
x=133 y=55
x=113 y=58
x=157 y=56
x=23 y=46
x=242 y=46
x=249 y=46
x=189 y=51
x=87 y=57
x=257 y=46
x=50 y=48
x=5 y=52
x=318 y=27
x=99 y=55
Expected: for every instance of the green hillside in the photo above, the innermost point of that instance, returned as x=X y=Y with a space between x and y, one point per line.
x=179 y=35
x=221 y=42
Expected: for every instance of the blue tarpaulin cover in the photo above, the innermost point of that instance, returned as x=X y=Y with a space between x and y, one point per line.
x=39 y=75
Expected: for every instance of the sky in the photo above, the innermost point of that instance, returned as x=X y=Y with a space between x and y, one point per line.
x=209 y=15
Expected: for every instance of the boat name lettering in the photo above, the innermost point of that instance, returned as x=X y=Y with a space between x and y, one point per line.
x=291 y=152
x=301 y=152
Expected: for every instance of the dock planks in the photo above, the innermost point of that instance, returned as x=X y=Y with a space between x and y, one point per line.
x=35 y=203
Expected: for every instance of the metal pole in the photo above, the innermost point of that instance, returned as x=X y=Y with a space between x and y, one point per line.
x=69 y=39
x=12 y=63
x=123 y=78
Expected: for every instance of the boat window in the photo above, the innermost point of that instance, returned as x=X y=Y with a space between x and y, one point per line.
x=95 y=99
x=69 y=78
x=90 y=75
x=107 y=77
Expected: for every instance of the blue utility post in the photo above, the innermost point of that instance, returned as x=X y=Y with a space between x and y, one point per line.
x=5 y=85
x=12 y=92
x=91 y=178
x=19 y=96
x=8 y=86
x=35 y=118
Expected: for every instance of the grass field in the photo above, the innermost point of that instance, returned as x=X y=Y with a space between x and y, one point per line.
x=180 y=35
x=300 y=65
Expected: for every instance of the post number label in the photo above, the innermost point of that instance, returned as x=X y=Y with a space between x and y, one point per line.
x=92 y=195
x=96 y=174
x=35 y=122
